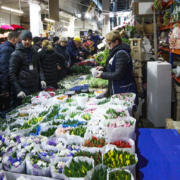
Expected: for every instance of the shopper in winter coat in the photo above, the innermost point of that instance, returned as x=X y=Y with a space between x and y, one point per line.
x=55 y=40
x=95 y=38
x=24 y=68
x=6 y=49
x=119 y=68
x=50 y=63
x=73 y=47
x=37 y=43
x=61 y=48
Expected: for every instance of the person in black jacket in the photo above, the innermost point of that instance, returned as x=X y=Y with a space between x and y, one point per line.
x=61 y=48
x=55 y=40
x=24 y=68
x=119 y=68
x=6 y=49
x=37 y=43
x=50 y=63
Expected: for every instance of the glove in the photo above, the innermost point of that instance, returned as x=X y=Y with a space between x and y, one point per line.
x=21 y=95
x=80 y=58
x=43 y=84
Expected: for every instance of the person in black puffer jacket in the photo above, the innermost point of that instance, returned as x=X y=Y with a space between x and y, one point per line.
x=119 y=68
x=51 y=62
x=24 y=68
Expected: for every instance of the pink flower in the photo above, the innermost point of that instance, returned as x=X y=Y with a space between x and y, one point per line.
x=6 y=27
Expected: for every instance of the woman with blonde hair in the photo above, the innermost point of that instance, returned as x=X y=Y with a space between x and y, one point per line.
x=119 y=68
x=51 y=62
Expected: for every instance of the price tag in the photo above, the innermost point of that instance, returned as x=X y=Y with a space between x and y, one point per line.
x=31 y=67
x=120 y=123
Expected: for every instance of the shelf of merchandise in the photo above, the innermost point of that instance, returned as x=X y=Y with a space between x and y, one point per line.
x=175 y=51
x=165 y=49
x=168 y=4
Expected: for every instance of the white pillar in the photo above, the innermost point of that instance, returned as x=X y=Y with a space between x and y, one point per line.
x=106 y=21
x=35 y=19
x=71 y=27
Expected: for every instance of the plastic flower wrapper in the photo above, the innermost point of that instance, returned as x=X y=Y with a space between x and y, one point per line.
x=36 y=166
x=48 y=131
x=98 y=173
x=97 y=130
x=57 y=166
x=78 y=167
x=65 y=153
x=37 y=139
x=94 y=154
x=112 y=113
x=61 y=132
x=15 y=162
x=22 y=178
x=119 y=174
x=54 y=144
x=4 y=129
x=2 y=175
x=123 y=96
x=77 y=133
x=114 y=158
x=46 y=155
x=120 y=128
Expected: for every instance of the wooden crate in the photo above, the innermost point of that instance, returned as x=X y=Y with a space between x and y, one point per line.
x=170 y=124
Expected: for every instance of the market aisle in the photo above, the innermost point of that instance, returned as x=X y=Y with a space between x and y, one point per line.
x=158 y=153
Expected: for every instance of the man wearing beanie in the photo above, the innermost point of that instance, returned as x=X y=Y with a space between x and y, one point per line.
x=73 y=47
x=37 y=43
x=55 y=40
x=24 y=68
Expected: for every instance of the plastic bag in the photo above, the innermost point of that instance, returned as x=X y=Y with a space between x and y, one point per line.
x=45 y=94
x=89 y=136
x=38 y=100
x=100 y=93
x=81 y=158
x=8 y=167
x=131 y=168
x=45 y=171
x=14 y=176
x=121 y=132
x=82 y=99
x=98 y=167
x=117 y=169
x=61 y=98
x=96 y=131
x=131 y=142
x=55 y=174
x=52 y=144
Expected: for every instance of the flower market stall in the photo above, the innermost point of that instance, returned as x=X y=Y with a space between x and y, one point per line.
x=83 y=136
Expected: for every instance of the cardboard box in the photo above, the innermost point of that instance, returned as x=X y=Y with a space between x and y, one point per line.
x=170 y=124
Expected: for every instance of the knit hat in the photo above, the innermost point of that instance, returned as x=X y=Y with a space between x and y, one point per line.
x=26 y=34
x=77 y=39
x=55 y=38
x=90 y=31
x=36 y=39
x=63 y=39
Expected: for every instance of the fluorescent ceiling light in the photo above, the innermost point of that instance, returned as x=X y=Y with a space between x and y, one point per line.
x=78 y=15
x=64 y=21
x=87 y=15
x=12 y=10
x=66 y=27
x=50 y=20
x=111 y=14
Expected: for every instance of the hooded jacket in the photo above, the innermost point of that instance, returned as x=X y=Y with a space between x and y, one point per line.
x=63 y=51
x=19 y=68
x=119 y=70
x=6 y=49
x=49 y=60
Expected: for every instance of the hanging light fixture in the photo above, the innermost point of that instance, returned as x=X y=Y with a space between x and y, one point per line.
x=12 y=10
x=50 y=20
